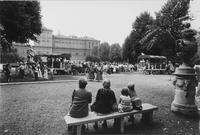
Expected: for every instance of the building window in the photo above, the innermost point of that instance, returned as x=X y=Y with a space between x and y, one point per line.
x=76 y=54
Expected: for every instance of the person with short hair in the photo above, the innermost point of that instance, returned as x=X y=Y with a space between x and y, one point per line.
x=125 y=104
x=80 y=100
x=105 y=102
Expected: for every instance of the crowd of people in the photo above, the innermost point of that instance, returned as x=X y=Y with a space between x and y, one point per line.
x=21 y=69
x=93 y=70
x=37 y=70
x=96 y=71
x=165 y=67
x=105 y=101
x=82 y=67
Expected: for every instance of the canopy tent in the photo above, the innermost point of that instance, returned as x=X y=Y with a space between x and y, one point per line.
x=151 y=57
x=152 y=63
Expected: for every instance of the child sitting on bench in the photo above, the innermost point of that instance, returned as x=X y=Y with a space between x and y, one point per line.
x=135 y=100
x=125 y=104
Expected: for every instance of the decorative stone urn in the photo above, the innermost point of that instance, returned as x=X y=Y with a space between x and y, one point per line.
x=185 y=81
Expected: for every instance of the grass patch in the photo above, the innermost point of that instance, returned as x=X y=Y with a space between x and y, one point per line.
x=40 y=108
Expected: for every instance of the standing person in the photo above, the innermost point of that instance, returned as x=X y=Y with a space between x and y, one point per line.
x=7 y=72
x=91 y=72
x=105 y=70
x=99 y=72
x=39 y=70
x=45 y=72
x=21 y=70
x=170 y=69
x=105 y=102
x=42 y=69
x=35 y=71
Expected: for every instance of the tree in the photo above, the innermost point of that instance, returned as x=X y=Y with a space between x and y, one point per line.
x=21 y=20
x=104 y=51
x=10 y=57
x=127 y=49
x=131 y=46
x=115 y=53
x=5 y=45
x=161 y=36
x=140 y=26
x=93 y=58
x=8 y=54
x=95 y=51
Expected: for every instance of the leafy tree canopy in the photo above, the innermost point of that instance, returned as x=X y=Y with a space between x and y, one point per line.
x=104 y=51
x=21 y=20
x=115 y=52
x=161 y=36
x=140 y=26
x=93 y=58
x=157 y=36
x=95 y=51
x=10 y=57
x=131 y=46
x=126 y=49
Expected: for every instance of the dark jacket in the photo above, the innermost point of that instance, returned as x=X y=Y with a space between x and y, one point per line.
x=80 y=100
x=105 y=101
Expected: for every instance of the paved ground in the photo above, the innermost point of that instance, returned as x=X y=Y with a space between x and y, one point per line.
x=40 y=108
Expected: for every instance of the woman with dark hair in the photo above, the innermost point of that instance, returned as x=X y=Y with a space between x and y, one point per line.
x=105 y=102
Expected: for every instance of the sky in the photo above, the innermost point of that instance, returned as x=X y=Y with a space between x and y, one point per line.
x=105 y=20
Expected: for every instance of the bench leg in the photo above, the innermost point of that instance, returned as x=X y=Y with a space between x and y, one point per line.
x=147 y=117
x=78 y=129
x=122 y=125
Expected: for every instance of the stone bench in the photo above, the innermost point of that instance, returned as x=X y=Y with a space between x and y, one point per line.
x=147 y=116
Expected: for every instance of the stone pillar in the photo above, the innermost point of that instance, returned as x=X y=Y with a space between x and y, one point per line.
x=184 y=99
x=185 y=82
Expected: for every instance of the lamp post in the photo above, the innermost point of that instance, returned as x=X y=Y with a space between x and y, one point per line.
x=185 y=82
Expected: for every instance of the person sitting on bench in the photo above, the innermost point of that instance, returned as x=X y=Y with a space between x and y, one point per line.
x=135 y=100
x=125 y=104
x=105 y=102
x=80 y=100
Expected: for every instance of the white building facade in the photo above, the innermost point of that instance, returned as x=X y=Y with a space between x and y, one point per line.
x=45 y=41
x=78 y=47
